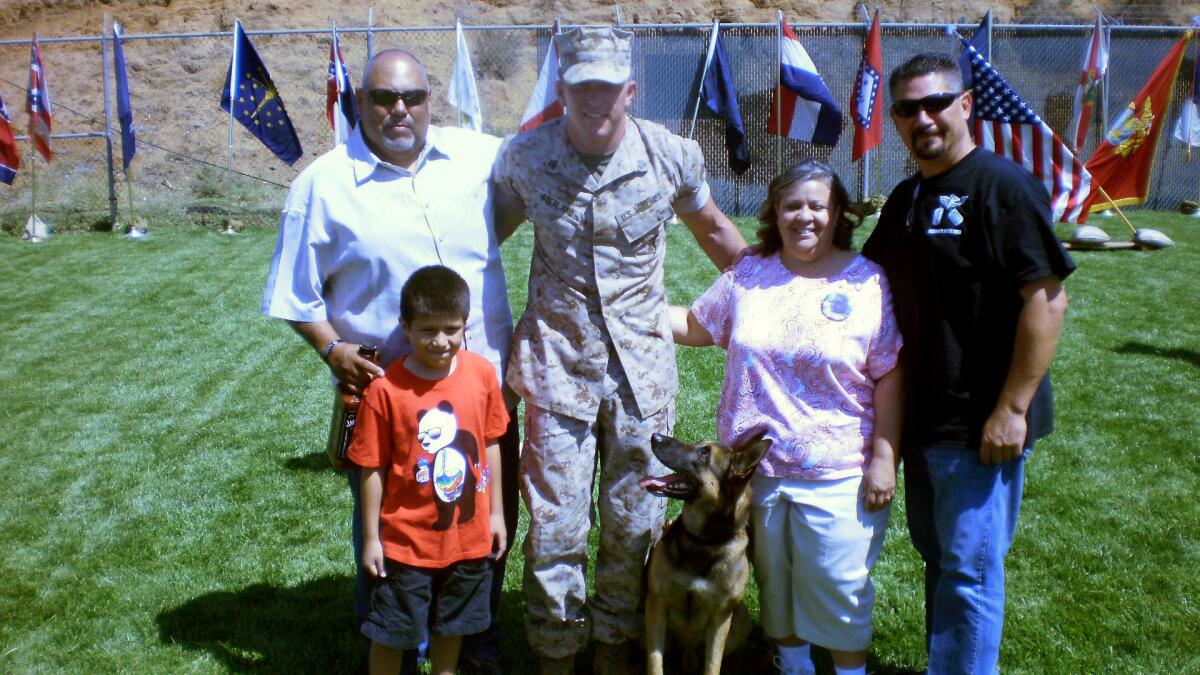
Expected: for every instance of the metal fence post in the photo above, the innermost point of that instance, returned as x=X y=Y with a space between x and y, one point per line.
x=108 y=153
x=370 y=34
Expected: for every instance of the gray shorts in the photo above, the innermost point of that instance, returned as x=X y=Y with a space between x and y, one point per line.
x=448 y=601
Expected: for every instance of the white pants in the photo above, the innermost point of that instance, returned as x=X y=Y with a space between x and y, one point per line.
x=814 y=545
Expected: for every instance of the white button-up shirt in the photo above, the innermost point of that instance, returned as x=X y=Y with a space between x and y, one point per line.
x=355 y=227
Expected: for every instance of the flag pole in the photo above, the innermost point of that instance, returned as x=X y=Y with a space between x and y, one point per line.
x=866 y=158
x=337 y=85
x=129 y=194
x=108 y=153
x=233 y=79
x=1117 y=209
x=989 y=34
x=370 y=33
x=708 y=56
x=778 y=88
x=32 y=155
x=1104 y=80
x=457 y=35
x=32 y=179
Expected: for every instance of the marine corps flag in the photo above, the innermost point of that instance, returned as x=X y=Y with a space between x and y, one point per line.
x=1122 y=165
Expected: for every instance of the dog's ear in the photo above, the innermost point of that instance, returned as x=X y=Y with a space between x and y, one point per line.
x=747 y=455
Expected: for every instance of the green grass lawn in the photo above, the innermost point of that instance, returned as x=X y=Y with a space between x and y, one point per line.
x=167 y=506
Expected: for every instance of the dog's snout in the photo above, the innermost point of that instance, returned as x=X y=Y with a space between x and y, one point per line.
x=657 y=439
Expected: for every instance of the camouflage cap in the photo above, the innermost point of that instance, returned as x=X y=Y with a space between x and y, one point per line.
x=594 y=54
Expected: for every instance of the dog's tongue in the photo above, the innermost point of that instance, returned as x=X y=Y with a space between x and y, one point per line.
x=659 y=482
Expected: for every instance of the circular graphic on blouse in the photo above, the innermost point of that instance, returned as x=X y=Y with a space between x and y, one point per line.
x=836 y=306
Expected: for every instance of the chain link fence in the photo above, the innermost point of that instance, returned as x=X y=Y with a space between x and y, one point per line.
x=176 y=83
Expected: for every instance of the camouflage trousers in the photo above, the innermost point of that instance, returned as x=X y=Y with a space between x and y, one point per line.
x=558 y=470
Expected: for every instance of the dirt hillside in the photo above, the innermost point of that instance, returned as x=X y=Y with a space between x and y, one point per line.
x=175 y=84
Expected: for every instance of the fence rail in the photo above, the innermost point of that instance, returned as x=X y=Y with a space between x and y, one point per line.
x=176 y=81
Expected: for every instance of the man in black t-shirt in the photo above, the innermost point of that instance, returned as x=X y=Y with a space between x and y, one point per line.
x=976 y=272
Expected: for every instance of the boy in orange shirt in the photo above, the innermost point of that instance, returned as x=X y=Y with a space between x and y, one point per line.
x=432 y=513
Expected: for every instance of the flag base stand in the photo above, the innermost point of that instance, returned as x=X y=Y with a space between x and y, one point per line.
x=1152 y=240
x=232 y=226
x=35 y=230
x=138 y=231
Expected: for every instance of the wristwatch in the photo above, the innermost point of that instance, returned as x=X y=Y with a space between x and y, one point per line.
x=329 y=349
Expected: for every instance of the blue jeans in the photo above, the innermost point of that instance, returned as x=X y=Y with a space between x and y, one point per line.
x=962 y=516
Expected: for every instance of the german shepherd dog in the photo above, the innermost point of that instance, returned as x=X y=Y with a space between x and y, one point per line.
x=696 y=574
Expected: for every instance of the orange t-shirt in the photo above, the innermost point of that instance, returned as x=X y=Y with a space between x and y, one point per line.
x=432 y=436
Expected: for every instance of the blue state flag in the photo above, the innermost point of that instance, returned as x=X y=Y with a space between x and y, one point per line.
x=256 y=102
x=124 y=110
x=721 y=97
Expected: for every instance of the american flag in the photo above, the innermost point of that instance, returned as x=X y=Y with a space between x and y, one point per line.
x=1007 y=126
x=37 y=103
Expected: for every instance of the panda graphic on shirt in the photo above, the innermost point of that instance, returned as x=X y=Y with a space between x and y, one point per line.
x=455 y=461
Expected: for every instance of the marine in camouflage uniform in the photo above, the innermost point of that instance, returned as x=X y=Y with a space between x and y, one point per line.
x=593 y=356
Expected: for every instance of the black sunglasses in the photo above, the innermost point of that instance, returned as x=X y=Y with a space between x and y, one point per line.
x=932 y=104
x=388 y=97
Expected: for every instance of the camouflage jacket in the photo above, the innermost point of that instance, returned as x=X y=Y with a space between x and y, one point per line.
x=596 y=278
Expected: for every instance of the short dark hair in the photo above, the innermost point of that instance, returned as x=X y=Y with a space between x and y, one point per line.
x=809 y=169
x=925 y=64
x=435 y=289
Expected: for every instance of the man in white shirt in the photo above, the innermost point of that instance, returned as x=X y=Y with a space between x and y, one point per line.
x=397 y=196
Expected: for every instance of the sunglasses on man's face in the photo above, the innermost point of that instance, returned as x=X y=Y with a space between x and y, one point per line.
x=388 y=97
x=932 y=104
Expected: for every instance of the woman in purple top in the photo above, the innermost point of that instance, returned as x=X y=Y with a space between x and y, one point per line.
x=812 y=357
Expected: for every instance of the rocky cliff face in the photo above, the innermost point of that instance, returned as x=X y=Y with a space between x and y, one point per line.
x=19 y=18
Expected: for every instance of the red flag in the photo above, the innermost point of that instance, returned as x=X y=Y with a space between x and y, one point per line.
x=867 y=100
x=544 y=105
x=37 y=103
x=1123 y=163
x=10 y=159
x=340 y=106
x=1095 y=64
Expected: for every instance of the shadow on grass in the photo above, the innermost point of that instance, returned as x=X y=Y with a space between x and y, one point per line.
x=752 y=658
x=306 y=629
x=269 y=629
x=314 y=461
x=1186 y=355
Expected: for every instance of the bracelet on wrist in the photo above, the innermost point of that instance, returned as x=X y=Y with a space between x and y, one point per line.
x=329 y=349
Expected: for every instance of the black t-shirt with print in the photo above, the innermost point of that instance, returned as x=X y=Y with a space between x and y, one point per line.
x=957 y=247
